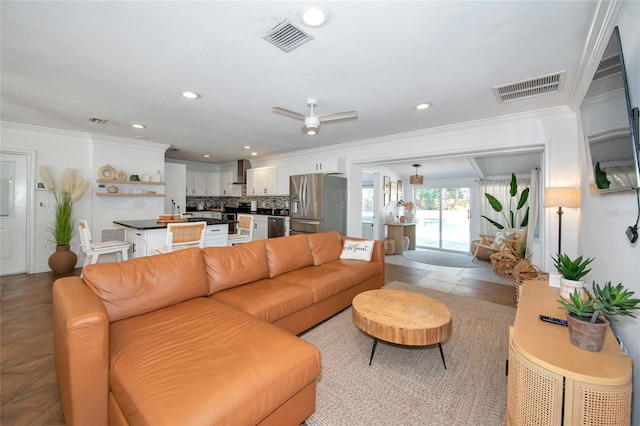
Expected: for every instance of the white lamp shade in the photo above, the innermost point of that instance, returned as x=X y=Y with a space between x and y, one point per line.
x=562 y=197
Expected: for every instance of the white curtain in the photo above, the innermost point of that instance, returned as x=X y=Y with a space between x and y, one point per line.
x=534 y=206
x=500 y=190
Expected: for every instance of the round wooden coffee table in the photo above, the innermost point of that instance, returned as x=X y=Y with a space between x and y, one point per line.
x=402 y=317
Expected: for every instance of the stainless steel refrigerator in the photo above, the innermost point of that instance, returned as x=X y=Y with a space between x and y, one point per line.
x=318 y=204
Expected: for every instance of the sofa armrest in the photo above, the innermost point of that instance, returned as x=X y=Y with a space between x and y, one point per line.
x=81 y=344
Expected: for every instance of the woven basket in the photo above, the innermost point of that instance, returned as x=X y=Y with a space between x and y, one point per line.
x=504 y=262
x=525 y=271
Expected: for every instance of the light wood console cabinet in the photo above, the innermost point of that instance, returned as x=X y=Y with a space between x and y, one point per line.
x=552 y=382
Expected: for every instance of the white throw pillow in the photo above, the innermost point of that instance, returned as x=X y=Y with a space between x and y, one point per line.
x=357 y=250
x=497 y=240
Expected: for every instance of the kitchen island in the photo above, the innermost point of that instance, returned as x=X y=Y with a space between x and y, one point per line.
x=147 y=235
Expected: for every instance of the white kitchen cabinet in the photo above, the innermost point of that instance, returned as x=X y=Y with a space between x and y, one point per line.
x=325 y=165
x=196 y=183
x=268 y=181
x=145 y=242
x=284 y=175
x=251 y=181
x=260 y=231
x=213 y=184
x=216 y=235
x=202 y=183
x=227 y=188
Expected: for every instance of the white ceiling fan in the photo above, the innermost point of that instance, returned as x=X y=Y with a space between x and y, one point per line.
x=312 y=122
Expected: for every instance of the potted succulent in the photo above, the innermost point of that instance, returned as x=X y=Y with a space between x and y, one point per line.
x=572 y=272
x=589 y=314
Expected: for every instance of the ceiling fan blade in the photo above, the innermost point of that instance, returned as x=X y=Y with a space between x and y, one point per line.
x=346 y=115
x=288 y=113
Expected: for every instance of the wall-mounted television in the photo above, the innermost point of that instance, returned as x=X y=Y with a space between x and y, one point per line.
x=610 y=124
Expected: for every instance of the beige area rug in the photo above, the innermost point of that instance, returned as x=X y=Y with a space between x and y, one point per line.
x=409 y=385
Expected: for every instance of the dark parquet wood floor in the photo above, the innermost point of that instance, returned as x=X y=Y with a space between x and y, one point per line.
x=29 y=393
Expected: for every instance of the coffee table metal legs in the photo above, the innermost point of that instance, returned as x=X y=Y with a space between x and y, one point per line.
x=373 y=350
x=442 y=355
x=375 y=343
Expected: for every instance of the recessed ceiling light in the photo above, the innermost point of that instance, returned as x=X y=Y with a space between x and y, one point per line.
x=247 y=147
x=138 y=126
x=423 y=105
x=142 y=137
x=254 y=153
x=189 y=94
x=206 y=155
x=313 y=16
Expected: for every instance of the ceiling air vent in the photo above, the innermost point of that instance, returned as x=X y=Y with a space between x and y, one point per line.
x=608 y=67
x=544 y=85
x=287 y=36
x=95 y=120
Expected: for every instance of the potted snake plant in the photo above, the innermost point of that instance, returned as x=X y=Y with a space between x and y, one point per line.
x=589 y=313
x=572 y=271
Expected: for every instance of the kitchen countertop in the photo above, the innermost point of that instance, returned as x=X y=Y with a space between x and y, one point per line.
x=145 y=224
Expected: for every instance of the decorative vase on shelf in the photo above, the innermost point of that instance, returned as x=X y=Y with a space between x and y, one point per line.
x=410 y=215
x=390 y=219
x=63 y=260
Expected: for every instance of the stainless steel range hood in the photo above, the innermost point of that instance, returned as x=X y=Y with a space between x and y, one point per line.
x=241 y=177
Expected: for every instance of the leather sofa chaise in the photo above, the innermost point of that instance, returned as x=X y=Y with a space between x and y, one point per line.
x=203 y=336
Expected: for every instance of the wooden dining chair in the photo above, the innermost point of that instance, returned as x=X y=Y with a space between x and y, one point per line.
x=244 y=230
x=184 y=235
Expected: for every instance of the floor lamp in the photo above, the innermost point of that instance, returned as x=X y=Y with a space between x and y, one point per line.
x=561 y=197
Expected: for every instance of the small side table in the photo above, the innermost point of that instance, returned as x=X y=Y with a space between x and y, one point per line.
x=398 y=231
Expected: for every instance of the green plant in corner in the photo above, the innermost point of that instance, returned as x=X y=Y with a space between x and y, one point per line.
x=72 y=188
x=608 y=301
x=512 y=220
x=573 y=270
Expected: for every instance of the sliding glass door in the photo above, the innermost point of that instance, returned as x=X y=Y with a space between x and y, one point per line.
x=442 y=218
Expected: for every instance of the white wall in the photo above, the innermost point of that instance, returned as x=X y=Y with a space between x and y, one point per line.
x=605 y=217
x=86 y=154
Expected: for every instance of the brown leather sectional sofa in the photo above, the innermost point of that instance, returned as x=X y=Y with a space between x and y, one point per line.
x=202 y=337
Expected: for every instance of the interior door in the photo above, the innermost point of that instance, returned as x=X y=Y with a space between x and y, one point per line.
x=13 y=214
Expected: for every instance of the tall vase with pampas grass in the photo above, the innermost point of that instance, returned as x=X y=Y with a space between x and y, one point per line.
x=71 y=189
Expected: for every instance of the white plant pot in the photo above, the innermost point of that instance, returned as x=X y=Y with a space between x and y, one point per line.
x=570 y=286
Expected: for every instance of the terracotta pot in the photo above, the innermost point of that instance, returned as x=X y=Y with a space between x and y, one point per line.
x=63 y=260
x=586 y=335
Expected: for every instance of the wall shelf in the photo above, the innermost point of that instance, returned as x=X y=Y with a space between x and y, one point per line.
x=128 y=182
x=120 y=194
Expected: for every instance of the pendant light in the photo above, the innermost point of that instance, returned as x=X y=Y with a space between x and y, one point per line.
x=416 y=180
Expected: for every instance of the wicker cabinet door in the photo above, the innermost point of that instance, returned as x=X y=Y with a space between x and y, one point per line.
x=591 y=404
x=534 y=395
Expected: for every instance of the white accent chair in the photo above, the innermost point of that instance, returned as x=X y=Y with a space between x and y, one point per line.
x=184 y=235
x=92 y=251
x=244 y=230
